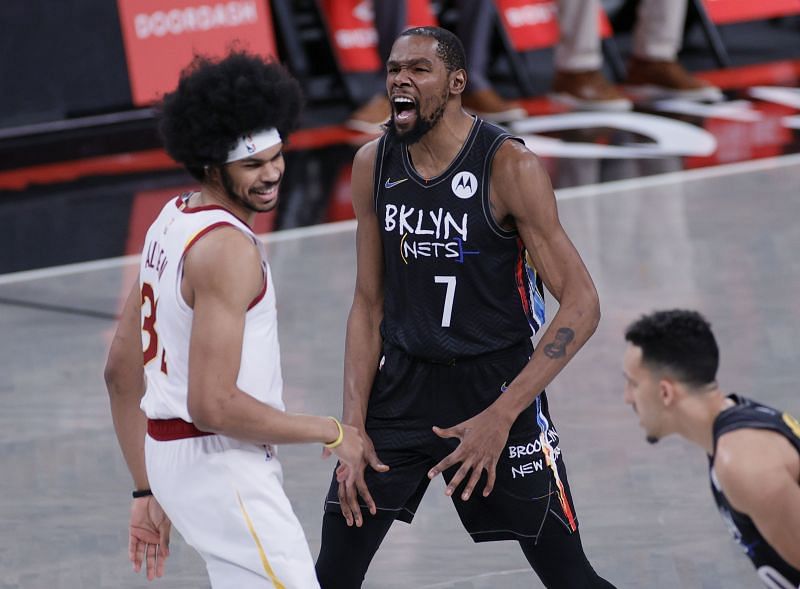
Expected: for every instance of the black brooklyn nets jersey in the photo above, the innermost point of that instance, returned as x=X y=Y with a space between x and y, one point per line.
x=772 y=569
x=456 y=284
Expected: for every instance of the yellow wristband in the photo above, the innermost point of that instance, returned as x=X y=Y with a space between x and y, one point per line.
x=339 y=439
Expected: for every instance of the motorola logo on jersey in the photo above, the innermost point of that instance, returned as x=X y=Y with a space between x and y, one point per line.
x=464 y=184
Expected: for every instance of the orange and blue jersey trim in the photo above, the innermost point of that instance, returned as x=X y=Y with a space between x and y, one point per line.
x=530 y=288
x=550 y=461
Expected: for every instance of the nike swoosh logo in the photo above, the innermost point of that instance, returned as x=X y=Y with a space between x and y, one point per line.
x=390 y=184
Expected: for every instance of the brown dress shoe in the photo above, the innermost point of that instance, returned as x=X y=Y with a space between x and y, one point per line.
x=588 y=91
x=490 y=106
x=370 y=116
x=653 y=80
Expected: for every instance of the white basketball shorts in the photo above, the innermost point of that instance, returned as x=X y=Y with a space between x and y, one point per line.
x=226 y=499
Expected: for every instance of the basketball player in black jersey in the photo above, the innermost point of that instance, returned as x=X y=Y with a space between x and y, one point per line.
x=670 y=370
x=457 y=234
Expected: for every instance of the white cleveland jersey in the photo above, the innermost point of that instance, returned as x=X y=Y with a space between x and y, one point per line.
x=167 y=319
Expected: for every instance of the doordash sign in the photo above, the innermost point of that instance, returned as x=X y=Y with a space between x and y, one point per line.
x=162 y=36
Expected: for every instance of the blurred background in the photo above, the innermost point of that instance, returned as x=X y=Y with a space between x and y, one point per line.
x=82 y=173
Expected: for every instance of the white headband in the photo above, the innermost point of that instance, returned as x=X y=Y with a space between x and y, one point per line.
x=253 y=143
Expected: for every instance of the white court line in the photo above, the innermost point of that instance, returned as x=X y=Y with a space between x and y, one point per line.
x=457 y=582
x=586 y=191
x=771 y=163
x=67 y=269
x=310 y=231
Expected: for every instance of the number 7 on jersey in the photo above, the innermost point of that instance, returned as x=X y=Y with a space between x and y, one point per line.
x=449 y=295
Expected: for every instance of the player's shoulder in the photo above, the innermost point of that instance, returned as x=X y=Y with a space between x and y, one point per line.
x=516 y=166
x=226 y=263
x=363 y=174
x=226 y=247
x=513 y=152
x=753 y=466
x=367 y=152
x=734 y=464
x=742 y=451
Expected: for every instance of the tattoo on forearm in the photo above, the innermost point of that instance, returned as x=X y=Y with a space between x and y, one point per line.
x=558 y=347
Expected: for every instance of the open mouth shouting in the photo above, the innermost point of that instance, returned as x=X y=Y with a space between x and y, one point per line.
x=405 y=109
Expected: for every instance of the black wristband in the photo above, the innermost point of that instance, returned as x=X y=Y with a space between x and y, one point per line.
x=141 y=493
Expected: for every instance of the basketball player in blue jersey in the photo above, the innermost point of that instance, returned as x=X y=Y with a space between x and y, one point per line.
x=194 y=371
x=670 y=368
x=457 y=233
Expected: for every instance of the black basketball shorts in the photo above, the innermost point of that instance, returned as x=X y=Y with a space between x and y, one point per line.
x=411 y=395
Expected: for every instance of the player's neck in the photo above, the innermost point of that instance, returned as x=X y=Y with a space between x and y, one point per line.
x=213 y=195
x=697 y=415
x=437 y=149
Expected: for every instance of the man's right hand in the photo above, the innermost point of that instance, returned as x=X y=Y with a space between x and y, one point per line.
x=149 y=531
x=355 y=453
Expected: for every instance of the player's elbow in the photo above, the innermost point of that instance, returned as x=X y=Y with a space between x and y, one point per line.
x=199 y=413
x=588 y=306
x=368 y=304
x=204 y=411
x=113 y=369
x=110 y=374
x=592 y=306
x=118 y=373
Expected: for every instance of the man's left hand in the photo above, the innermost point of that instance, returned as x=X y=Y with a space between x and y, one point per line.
x=482 y=440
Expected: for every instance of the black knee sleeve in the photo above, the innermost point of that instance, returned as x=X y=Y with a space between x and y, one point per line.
x=346 y=551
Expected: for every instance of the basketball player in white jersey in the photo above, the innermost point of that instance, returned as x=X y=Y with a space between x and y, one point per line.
x=197 y=425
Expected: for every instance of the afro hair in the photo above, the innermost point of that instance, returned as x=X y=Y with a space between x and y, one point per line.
x=216 y=102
